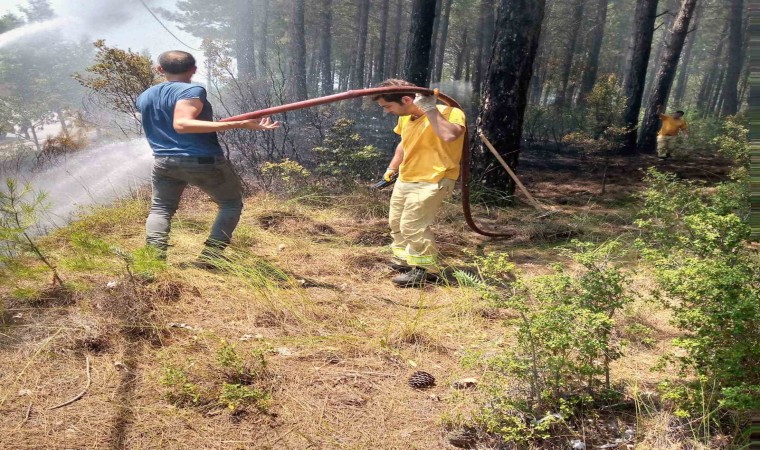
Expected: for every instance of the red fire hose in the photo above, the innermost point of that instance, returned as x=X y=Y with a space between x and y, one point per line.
x=465 y=163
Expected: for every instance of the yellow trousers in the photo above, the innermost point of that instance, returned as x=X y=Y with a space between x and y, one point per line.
x=668 y=146
x=412 y=211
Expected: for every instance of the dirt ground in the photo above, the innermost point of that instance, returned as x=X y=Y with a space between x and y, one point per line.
x=339 y=340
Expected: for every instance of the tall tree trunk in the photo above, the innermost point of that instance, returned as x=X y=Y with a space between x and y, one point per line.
x=298 y=58
x=362 y=19
x=566 y=64
x=679 y=90
x=505 y=87
x=633 y=88
x=734 y=64
x=467 y=63
x=244 y=44
x=418 y=47
x=461 y=57
x=591 y=67
x=325 y=48
x=713 y=108
x=434 y=37
x=441 y=46
x=485 y=43
x=393 y=70
x=370 y=63
x=380 y=67
x=665 y=76
x=263 y=62
x=708 y=79
x=654 y=60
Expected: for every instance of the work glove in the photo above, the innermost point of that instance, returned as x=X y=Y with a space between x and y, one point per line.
x=389 y=174
x=425 y=102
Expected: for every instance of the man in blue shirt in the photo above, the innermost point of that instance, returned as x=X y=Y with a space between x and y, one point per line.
x=178 y=123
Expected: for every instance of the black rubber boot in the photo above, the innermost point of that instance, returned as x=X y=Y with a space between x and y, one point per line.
x=416 y=277
x=399 y=267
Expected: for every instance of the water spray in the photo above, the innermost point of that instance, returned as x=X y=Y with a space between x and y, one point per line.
x=464 y=164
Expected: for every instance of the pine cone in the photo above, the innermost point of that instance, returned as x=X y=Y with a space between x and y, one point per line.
x=421 y=380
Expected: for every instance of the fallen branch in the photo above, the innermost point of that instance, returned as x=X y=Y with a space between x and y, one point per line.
x=26 y=417
x=81 y=394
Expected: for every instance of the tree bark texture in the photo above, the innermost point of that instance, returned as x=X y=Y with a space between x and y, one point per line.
x=362 y=21
x=679 y=89
x=244 y=42
x=381 y=56
x=393 y=69
x=298 y=48
x=325 y=48
x=417 y=64
x=641 y=47
x=441 y=46
x=567 y=58
x=591 y=68
x=734 y=64
x=505 y=87
x=667 y=73
x=434 y=37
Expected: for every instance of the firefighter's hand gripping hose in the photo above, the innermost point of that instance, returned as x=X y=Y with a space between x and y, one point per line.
x=423 y=92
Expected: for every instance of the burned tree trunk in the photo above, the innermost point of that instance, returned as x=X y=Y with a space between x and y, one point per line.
x=567 y=61
x=461 y=57
x=379 y=73
x=434 y=36
x=393 y=68
x=362 y=21
x=418 y=47
x=244 y=44
x=441 y=46
x=679 y=90
x=325 y=48
x=592 y=60
x=505 y=87
x=299 y=51
x=665 y=77
x=734 y=64
x=484 y=44
x=633 y=87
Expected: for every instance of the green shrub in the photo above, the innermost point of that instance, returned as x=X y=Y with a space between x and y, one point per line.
x=708 y=276
x=564 y=341
x=343 y=156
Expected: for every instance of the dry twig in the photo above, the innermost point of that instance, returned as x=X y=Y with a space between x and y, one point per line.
x=81 y=394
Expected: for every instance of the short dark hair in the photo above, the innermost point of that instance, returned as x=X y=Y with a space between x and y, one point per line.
x=176 y=61
x=681 y=112
x=395 y=97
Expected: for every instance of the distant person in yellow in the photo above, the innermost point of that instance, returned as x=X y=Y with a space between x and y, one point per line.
x=667 y=138
x=427 y=164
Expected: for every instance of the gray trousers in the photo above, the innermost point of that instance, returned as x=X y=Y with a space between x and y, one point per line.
x=213 y=175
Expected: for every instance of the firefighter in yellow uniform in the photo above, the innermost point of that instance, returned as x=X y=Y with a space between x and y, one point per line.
x=427 y=163
x=667 y=138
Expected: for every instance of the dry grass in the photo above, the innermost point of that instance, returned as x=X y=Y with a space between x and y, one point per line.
x=309 y=288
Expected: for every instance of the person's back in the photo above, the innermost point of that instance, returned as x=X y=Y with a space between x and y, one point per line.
x=156 y=105
x=178 y=123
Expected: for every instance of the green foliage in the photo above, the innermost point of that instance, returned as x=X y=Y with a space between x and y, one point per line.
x=287 y=175
x=21 y=209
x=236 y=396
x=343 y=156
x=118 y=77
x=708 y=276
x=733 y=142
x=564 y=338
x=229 y=379
x=179 y=390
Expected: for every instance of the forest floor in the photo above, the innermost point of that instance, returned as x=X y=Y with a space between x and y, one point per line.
x=309 y=292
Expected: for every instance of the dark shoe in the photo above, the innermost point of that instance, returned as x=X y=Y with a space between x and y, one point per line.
x=398 y=267
x=416 y=277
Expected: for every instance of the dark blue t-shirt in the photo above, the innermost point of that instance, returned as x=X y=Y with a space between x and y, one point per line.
x=156 y=105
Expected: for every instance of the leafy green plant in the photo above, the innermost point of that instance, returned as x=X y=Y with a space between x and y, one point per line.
x=564 y=340
x=708 y=276
x=21 y=209
x=344 y=157
x=235 y=396
x=287 y=175
x=179 y=390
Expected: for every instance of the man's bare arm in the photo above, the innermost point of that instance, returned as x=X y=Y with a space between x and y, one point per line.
x=185 y=120
x=444 y=129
